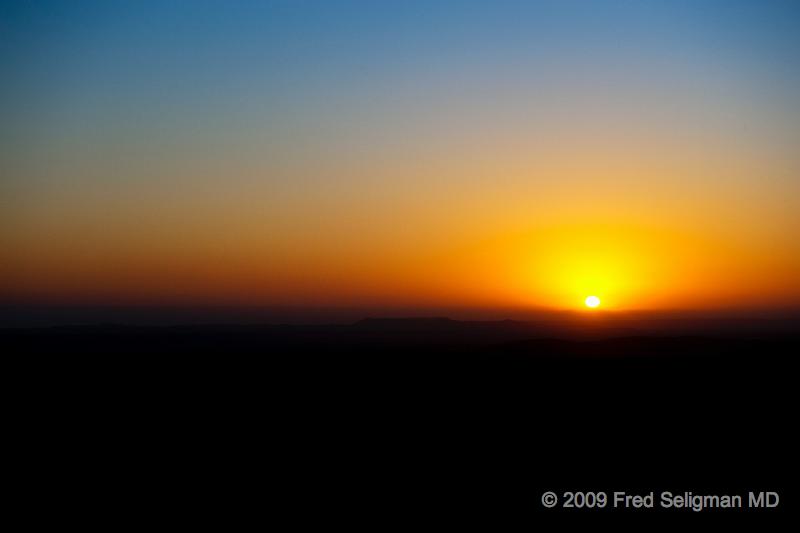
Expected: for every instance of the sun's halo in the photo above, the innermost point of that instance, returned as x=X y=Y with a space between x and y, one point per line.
x=592 y=301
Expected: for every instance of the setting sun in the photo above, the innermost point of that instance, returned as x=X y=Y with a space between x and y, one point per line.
x=592 y=301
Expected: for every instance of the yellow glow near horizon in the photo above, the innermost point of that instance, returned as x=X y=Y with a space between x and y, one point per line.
x=592 y=301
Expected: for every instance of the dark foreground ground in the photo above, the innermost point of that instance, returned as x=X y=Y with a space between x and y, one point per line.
x=420 y=422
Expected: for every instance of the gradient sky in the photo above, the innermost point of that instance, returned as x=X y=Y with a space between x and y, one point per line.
x=401 y=153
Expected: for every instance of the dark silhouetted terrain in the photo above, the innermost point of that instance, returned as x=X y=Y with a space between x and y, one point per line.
x=468 y=419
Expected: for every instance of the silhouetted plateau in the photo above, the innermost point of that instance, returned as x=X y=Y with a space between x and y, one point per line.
x=473 y=418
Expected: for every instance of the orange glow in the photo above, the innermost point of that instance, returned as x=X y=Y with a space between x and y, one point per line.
x=632 y=266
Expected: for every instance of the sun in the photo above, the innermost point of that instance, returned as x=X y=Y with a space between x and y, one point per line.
x=592 y=301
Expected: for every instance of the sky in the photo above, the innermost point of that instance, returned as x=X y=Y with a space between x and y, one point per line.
x=417 y=154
